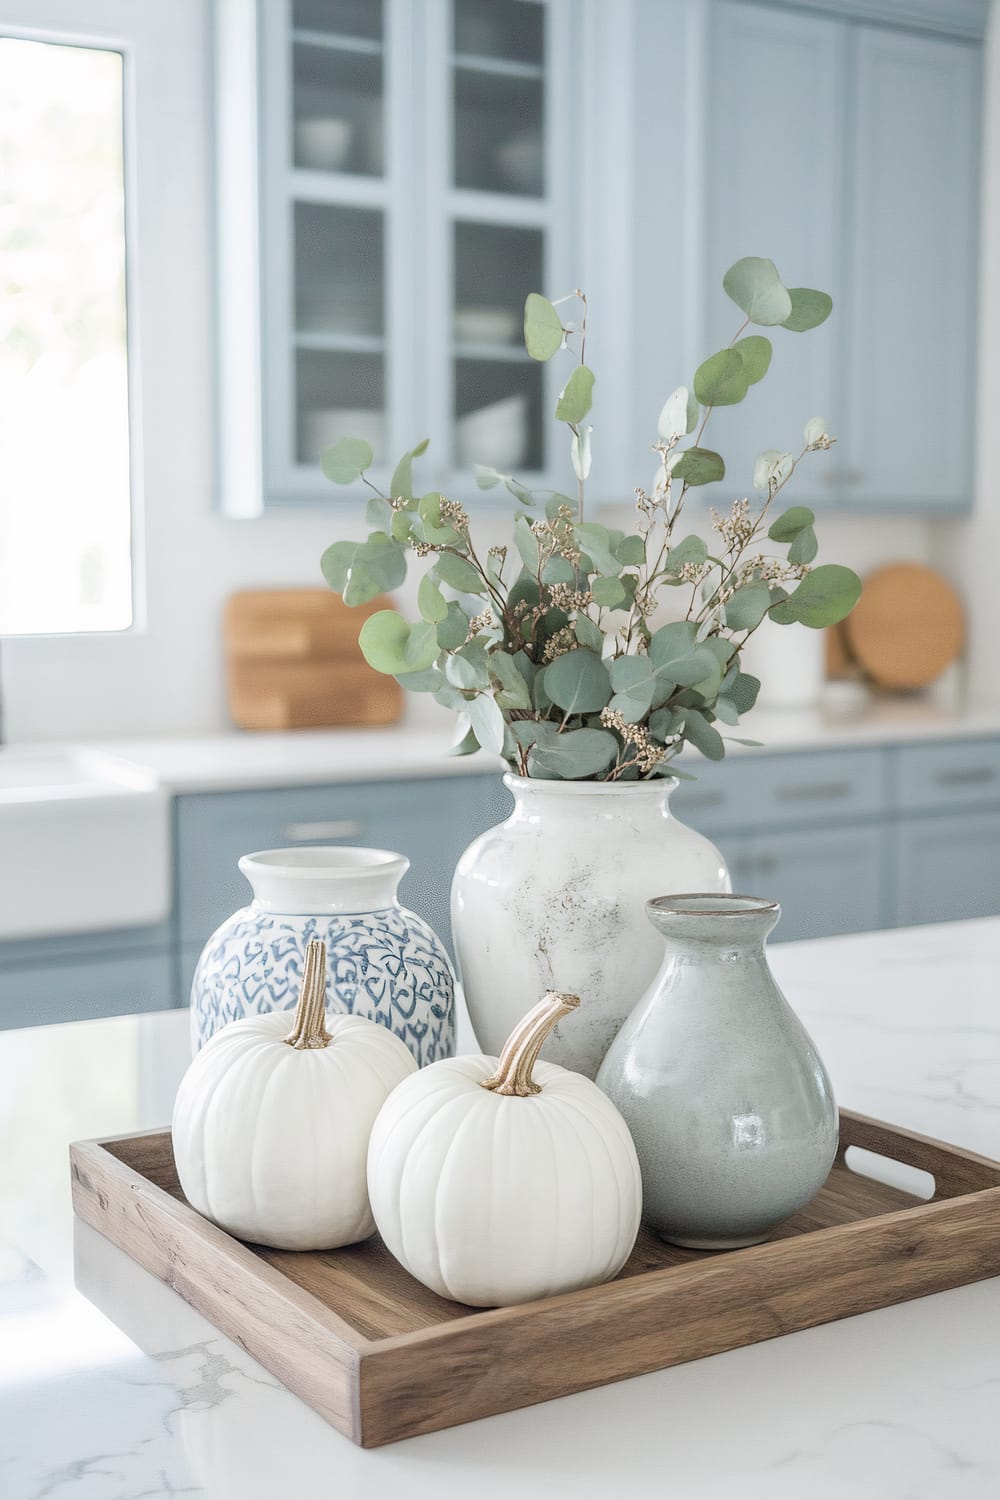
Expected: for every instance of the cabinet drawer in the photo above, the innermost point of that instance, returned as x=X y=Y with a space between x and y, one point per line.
x=947 y=868
x=782 y=790
x=961 y=774
x=81 y=990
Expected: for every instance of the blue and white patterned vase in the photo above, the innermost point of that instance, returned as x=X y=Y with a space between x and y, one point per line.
x=383 y=961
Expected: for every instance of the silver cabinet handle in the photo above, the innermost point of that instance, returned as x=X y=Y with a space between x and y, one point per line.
x=306 y=833
x=818 y=790
x=974 y=776
x=766 y=863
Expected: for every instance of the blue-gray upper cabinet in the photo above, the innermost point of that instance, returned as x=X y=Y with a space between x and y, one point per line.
x=912 y=271
x=848 y=153
x=776 y=142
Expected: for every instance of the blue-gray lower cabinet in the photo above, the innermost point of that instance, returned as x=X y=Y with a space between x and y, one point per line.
x=79 y=989
x=946 y=867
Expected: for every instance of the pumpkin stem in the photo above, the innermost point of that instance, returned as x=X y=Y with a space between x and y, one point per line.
x=520 y=1053
x=309 y=1029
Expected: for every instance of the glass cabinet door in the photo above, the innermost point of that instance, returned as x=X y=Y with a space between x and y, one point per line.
x=407 y=206
x=498 y=218
x=326 y=236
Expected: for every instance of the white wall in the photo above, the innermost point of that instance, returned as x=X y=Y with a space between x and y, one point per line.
x=167 y=677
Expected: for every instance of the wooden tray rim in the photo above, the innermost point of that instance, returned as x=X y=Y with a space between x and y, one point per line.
x=915 y=1150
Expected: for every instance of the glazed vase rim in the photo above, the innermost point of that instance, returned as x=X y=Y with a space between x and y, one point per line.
x=324 y=879
x=325 y=862
x=731 y=906
x=521 y=784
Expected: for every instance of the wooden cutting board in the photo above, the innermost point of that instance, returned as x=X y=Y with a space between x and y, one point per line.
x=907 y=627
x=293 y=662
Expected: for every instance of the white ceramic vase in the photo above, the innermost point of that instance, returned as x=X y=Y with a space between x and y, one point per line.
x=555 y=898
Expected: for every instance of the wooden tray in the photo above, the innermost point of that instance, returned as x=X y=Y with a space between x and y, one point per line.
x=381 y=1358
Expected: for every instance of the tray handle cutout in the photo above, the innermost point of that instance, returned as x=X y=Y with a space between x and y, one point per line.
x=954 y=1172
x=894 y=1174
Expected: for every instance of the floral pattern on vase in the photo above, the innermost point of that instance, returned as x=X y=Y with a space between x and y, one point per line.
x=384 y=963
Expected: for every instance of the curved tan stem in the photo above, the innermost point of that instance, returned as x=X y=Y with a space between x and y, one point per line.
x=309 y=1027
x=520 y=1053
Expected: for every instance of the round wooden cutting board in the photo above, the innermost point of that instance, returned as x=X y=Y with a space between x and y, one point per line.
x=906 y=628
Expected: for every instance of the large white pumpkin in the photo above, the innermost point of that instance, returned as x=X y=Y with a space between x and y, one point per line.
x=272 y=1120
x=496 y=1183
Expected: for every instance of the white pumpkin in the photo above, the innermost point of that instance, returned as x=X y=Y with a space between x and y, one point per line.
x=271 y=1125
x=495 y=1183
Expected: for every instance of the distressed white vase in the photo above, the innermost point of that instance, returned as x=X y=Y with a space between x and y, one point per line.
x=555 y=897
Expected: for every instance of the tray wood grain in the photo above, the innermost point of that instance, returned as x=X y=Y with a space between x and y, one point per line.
x=382 y=1358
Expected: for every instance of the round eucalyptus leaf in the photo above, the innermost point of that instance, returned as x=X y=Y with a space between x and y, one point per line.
x=786 y=527
x=630 y=551
x=513 y=690
x=596 y=541
x=486 y=477
x=573 y=756
x=430 y=680
x=747 y=606
x=700 y=465
x=824 y=597
x=702 y=735
x=360 y=571
x=673 y=418
x=725 y=710
x=743 y=692
x=609 y=593
x=346 y=460
x=755 y=352
x=690 y=550
x=576 y=397
x=804 y=547
x=674 y=649
x=578 y=682
x=809 y=309
x=401 y=483
x=459 y=574
x=430 y=601
x=466 y=743
x=588 y=633
x=772 y=468
x=453 y=630
x=815 y=429
x=543 y=330
x=755 y=286
x=391 y=645
x=721 y=380
x=487 y=722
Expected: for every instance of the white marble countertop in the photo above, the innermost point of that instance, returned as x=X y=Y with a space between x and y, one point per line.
x=241 y=761
x=112 y=1388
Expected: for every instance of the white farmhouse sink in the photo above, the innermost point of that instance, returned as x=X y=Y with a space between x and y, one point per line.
x=84 y=844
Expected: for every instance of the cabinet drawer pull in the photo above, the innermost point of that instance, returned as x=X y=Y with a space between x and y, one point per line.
x=767 y=863
x=307 y=833
x=825 y=790
x=974 y=776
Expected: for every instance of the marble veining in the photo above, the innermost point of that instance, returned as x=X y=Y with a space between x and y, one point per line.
x=113 y=1388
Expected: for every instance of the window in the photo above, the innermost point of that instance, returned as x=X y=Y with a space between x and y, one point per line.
x=65 y=492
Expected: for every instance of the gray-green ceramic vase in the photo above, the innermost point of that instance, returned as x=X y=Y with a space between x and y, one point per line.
x=727 y=1099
